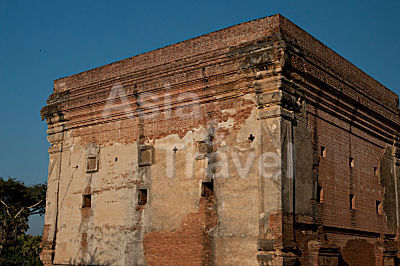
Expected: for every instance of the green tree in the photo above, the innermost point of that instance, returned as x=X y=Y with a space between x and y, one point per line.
x=17 y=203
x=26 y=253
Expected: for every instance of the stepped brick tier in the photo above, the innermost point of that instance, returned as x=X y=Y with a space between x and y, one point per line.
x=252 y=145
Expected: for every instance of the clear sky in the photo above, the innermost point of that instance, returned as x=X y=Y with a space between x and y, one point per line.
x=44 y=40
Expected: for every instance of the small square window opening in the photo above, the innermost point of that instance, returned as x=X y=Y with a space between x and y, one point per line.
x=352 y=202
x=379 y=207
x=320 y=194
x=323 y=151
x=142 y=196
x=351 y=162
x=87 y=201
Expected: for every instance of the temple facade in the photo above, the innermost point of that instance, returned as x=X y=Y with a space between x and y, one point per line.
x=252 y=145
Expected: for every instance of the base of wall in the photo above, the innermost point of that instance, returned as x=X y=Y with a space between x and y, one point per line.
x=289 y=258
x=46 y=256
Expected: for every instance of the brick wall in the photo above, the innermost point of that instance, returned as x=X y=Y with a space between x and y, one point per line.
x=218 y=88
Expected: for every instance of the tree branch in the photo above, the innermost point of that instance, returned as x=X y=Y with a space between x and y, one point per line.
x=37 y=203
x=34 y=205
x=8 y=213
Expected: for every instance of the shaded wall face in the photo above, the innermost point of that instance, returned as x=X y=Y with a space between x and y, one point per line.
x=352 y=141
x=350 y=164
x=353 y=170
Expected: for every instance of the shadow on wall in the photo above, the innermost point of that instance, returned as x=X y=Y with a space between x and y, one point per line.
x=91 y=259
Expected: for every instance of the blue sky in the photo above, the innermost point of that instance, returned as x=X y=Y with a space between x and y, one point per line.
x=44 y=40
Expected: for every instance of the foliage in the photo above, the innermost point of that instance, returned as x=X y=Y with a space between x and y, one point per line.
x=26 y=252
x=17 y=203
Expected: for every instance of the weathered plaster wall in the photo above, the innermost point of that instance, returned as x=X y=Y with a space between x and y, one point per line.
x=174 y=196
x=265 y=98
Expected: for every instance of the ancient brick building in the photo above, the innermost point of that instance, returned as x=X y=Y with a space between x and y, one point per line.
x=252 y=145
